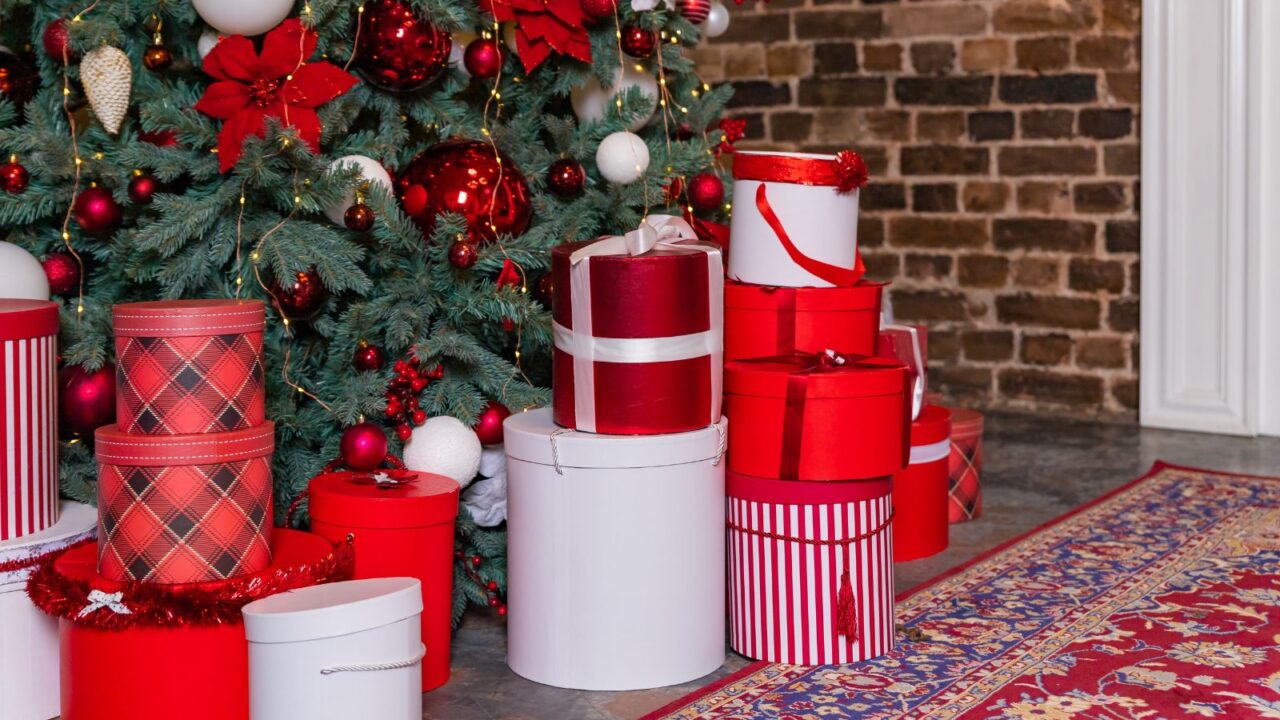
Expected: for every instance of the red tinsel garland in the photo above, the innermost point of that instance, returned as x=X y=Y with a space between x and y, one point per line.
x=161 y=606
x=30 y=562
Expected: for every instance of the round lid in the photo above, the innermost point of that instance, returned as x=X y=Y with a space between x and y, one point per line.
x=932 y=426
x=179 y=318
x=965 y=421
x=22 y=319
x=76 y=522
x=745 y=296
x=796 y=492
x=383 y=499
x=859 y=376
x=332 y=610
x=532 y=437
x=115 y=447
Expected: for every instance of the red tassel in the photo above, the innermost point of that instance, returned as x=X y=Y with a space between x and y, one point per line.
x=847 y=611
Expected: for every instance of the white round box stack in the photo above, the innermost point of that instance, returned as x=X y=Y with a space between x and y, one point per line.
x=337 y=651
x=615 y=555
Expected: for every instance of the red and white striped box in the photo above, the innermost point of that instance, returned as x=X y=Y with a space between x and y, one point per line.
x=28 y=423
x=810 y=569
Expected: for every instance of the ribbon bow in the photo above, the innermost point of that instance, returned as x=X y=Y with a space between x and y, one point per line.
x=384 y=478
x=653 y=231
x=851 y=171
x=111 y=601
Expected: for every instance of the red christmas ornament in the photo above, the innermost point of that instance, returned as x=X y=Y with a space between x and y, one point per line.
x=683 y=131
x=13 y=177
x=476 y=560
x=398 y=50
x=465 y=177
x=544 y=27
x=492 y=586
x=56 y=42
x=156 y=58
x=566 y=177
x=86 y=399
x=159 y=138
x=404 y=432
x=142 y=189
x=598 y=10
x=368 y=357
x=483 y=58
x=463 y=255
x=638 y=42
x=706 y=191
x=96 y=211
x=509 y=277
x=363 y=446
x=672 y=192
x=494 y=602
x=358 y=218
x=502 y=611
x=489 y=426
x=545 y=290
x=695 y=11
x=303 y=298
x=279 y=83
x=63 y=272
x=19 y=78
x=734 y=129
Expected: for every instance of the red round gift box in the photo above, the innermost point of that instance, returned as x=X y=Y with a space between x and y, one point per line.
x=761 y=321
x=966 y=465
x=178 y=509
x=189 y=366
x=401 y=528
x=920 y=501
x=193 y=672
x=28 y=417
x=795 y=419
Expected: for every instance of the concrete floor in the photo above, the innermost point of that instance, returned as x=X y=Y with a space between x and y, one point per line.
x=1035 y=469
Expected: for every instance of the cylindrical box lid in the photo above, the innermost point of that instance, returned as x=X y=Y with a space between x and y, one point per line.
x=20 y=319
x=966 y=422
x=332 y=610
x=76 y=521
x=532 y=437
x=180 y=318
x=383 y=499
x=933 y=426
x=798 y=492
x=121 y=448
x=863 y=296
x=857 y=377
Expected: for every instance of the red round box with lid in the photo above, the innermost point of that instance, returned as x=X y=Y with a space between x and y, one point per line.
x=762 y=321
x=28 y=417
x=817 y=417
x=184 y=508
x=402 y=524
x=920 y=501
x=189 y=366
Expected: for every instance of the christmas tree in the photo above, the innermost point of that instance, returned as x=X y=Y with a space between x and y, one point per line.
x=162 y=149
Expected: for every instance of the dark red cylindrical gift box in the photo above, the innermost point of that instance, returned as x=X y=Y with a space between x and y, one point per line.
x=402 y=522
x=655 y=325
x=184 y=508
x=920 y=501
x=799 y=418
x=761 y=321
x=189 y=366
x=28 y=417
x=193 y=672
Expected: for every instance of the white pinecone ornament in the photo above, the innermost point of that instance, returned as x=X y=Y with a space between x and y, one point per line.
x=107 y=78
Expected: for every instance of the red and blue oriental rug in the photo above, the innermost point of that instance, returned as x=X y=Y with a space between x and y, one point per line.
x=1158 y=600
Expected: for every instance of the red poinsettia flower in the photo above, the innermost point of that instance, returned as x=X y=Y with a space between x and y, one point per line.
x=543 y=27
x=278 y=83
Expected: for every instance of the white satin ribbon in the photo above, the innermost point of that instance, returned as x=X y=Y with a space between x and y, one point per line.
x=917 y=387
x=111 y=601
x=930 y=453
x=586 y=349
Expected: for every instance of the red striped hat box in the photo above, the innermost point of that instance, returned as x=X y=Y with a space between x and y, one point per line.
x=28 y=417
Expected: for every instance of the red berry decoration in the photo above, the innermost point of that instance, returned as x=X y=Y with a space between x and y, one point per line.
x=19 y=78
x=467 y=178
x=57 y=43
x=638 y=42
x=463 y=255
x=13 y=177
x=598 y=10
x=544 y=290
x=683 y=131
x=494 y=602
x=566 y=177
x=695 y=11
x=63 y=272
x=302 y=298
x=706 y=191
x=142 y=189
x=398 y=50
x=404 y=432
x=96 y=211
x=492 y=586
x=363 y=446
x=358 y=218
x=476 y=560
x=489 y=427
x=156 y=58
x=86 y=399
x=502 y=611
x=483 y=58
x=368 y=357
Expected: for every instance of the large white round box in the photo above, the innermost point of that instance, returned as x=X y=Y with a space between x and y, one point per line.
x=338 y=651
x=615 y=555
x=29 y=684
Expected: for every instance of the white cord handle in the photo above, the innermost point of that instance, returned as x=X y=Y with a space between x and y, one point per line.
x=375 y=667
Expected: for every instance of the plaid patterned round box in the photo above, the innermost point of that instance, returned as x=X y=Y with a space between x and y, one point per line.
x=185 y=508
x=189 y=366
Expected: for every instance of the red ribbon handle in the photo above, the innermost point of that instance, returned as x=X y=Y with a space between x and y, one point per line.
x=834 y=274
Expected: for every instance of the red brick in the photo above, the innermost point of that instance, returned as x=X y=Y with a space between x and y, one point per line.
x=933 y=58
x=1043 y=234
x=1105 y=123
x=881 y=266
x=883 y=196
x=987 y=345
x=788 y=126
x=984 y=271
x=1125 y=393
x=1051 y=387
x=835 y=58
x=934 y=197
x=1040 y=89
x=756 y=28
x=1123 y=236
x=1043 y=53
x=1122 y=160
x=888 y=124
x=1042 y=16
x=940 y=127
x=1090 y=275
x=926 y=267
x=1104 y=197
x=1107 y=52
x=936 y=232
x=1101 y=353
x=966 y=91
x=1124 y=87
x=944 y=160
x=843 y=92
x=1122 y=15
x=928 y=305
x=1054 y=349
x=984 y=55
x=882 y=58
x=1052 y=198
x=944 y=346
x=1049 y=311
x=1036 y=272
x=985 y=126
x=1048 y=160
x=870 y=231
x=985 y=197
x=1122 y=316
x=944 y=20
x=834 y=24
x=1047 y=124
x=961 y=381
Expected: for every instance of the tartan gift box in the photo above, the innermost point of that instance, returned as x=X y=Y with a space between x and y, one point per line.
x=189 y=366
x=184 y=508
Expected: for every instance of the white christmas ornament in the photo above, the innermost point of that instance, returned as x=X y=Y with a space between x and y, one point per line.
x=107 y=78
x=486 y=499
x=717 y=21
x=206 y=41
x=243 y=17
x=458 y=49
x=622 y=158
x=21 y=274
x=372 y=172
x=589 y=100
x=445 y=446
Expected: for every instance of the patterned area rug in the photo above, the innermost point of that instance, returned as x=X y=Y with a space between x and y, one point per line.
x=1158 y=600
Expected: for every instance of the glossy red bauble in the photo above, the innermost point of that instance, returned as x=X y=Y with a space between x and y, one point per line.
x=363 y=446
x=13 y=177
x=398 y=50
x=467 y=178
x=706 y=191
x=598 y=10
x=142 y=189
x=302 y=298
x=463 y=255
x=19 y=78
x=56 y=42
x=96 y=211
x=358 y=218
x=86 y=399
x=489 y=425
x=566 y=178
x=368 y=357
x=483 y=58
x=63 y=273
x=638 y=42
x=157 y=57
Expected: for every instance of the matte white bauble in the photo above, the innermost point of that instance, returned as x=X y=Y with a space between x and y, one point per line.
x=458 y=48
x=589 y=100
x=373 y=173
x=243 y=17
x=622 y=158
x=21 y=274
x=717 y=21
x=206 y=41
x=445 y=446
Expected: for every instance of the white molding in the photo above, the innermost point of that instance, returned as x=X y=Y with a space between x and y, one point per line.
x=1264 y=231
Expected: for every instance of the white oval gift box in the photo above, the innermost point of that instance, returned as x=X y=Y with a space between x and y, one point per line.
x=795 y=219
x=615 y=559
x=29 y=684
x=337 y=651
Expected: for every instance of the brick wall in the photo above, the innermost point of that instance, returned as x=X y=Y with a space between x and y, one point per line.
x=1002 y=138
